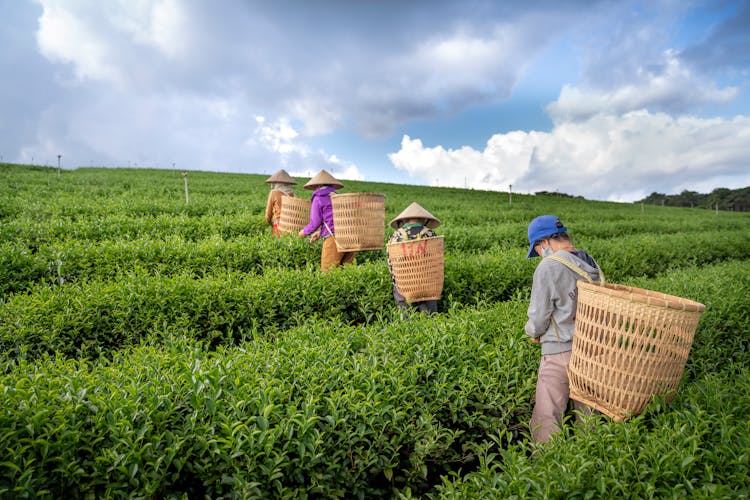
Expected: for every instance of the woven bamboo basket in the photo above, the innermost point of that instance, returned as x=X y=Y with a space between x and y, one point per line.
x=629 y=345
x=358 y=221
x=417 y=267
x=295 y=214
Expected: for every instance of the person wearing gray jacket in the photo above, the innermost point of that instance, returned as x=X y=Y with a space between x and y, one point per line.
x=552 y=312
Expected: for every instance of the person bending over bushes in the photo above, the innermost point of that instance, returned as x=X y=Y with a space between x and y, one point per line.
x=552 y=312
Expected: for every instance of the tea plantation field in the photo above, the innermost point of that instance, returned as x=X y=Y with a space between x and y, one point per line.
x=153 y=348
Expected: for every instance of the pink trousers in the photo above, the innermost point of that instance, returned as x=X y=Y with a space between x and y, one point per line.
x=552 y=395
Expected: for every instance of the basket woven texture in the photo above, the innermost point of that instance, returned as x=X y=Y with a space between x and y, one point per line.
x=417 y=267
x=295 y=214
x=359 y=221
x=629 y=345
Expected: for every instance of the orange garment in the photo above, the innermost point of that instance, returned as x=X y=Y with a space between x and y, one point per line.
x=330 y=256
x=273 y=209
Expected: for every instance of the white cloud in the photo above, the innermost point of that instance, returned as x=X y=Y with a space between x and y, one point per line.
x=164 y=26
x=318 y=114
x=281 y=137
x=467 y=64
x=672 y=88
x=603 y=157
x=116 y=41
x=344 y=170
x=62 y=36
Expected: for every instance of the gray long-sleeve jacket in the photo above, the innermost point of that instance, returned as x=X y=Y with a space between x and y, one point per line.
x=554 y=294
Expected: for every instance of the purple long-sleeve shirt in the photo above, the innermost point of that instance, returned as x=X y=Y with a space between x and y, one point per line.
x=321 y=210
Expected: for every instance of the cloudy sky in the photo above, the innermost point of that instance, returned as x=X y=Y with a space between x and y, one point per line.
x=610 y=100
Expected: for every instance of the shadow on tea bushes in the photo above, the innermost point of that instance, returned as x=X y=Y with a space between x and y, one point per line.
x=91 y=317
x=86 y=319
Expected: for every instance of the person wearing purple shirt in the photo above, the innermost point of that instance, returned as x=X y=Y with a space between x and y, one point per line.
x=321 y=221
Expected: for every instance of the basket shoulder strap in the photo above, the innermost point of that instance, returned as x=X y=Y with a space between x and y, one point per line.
x=572 y=267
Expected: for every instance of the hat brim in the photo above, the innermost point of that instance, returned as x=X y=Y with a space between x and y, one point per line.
x=532 y=252
x=323 y=178
x=313 y=187
x=415 y=211
x=432 y=223
x=281 y=177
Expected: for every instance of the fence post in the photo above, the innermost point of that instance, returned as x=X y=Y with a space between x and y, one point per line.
x=187 y=198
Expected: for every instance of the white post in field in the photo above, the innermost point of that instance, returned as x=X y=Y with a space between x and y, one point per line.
x=187 y=198
x=510 y=194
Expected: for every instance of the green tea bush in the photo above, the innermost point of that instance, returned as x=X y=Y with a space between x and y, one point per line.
x=96 y=228
x=693 y=447
x=323 y=410
x=650 y=254
x=697 y=448
x=336 y=410
x=96 y=316
x=150 y=348
x=74 y=260
x=722 y=337
x=84 y=319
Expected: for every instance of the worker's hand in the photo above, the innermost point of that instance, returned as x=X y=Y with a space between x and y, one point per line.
x=315 y=236
x=535 y=340
x=301 y=234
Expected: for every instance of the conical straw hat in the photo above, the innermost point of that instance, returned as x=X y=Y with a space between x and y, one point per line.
x=323 y=178
x=281 y=177
x=415 y=211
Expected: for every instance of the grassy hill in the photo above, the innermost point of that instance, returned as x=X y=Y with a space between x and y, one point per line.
x=156 y=348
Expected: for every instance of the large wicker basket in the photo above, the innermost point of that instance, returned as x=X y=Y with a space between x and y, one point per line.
x=295 y=214
x=417 y=267
x=359 y=221
x=629 y=345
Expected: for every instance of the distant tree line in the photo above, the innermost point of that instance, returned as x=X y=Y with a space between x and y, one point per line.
x=737 y=200
x=557 y=193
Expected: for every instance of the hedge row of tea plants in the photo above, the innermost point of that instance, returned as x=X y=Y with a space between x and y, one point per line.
x=90 y=228
x=153 y=348
x=97 y=315
x=697 y=447
x=69 y=261
x=396 y=407
x=100 y=314
x=93 y=317
x=324 y=409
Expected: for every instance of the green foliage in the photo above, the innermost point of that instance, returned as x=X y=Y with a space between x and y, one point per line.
x=322 y=409
x=737 y=200
x=156 y=349
x=698 y=449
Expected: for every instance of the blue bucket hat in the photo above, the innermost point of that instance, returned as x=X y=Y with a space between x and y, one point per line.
x=543 y=227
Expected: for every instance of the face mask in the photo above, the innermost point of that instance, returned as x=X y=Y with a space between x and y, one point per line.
x=546 y=252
